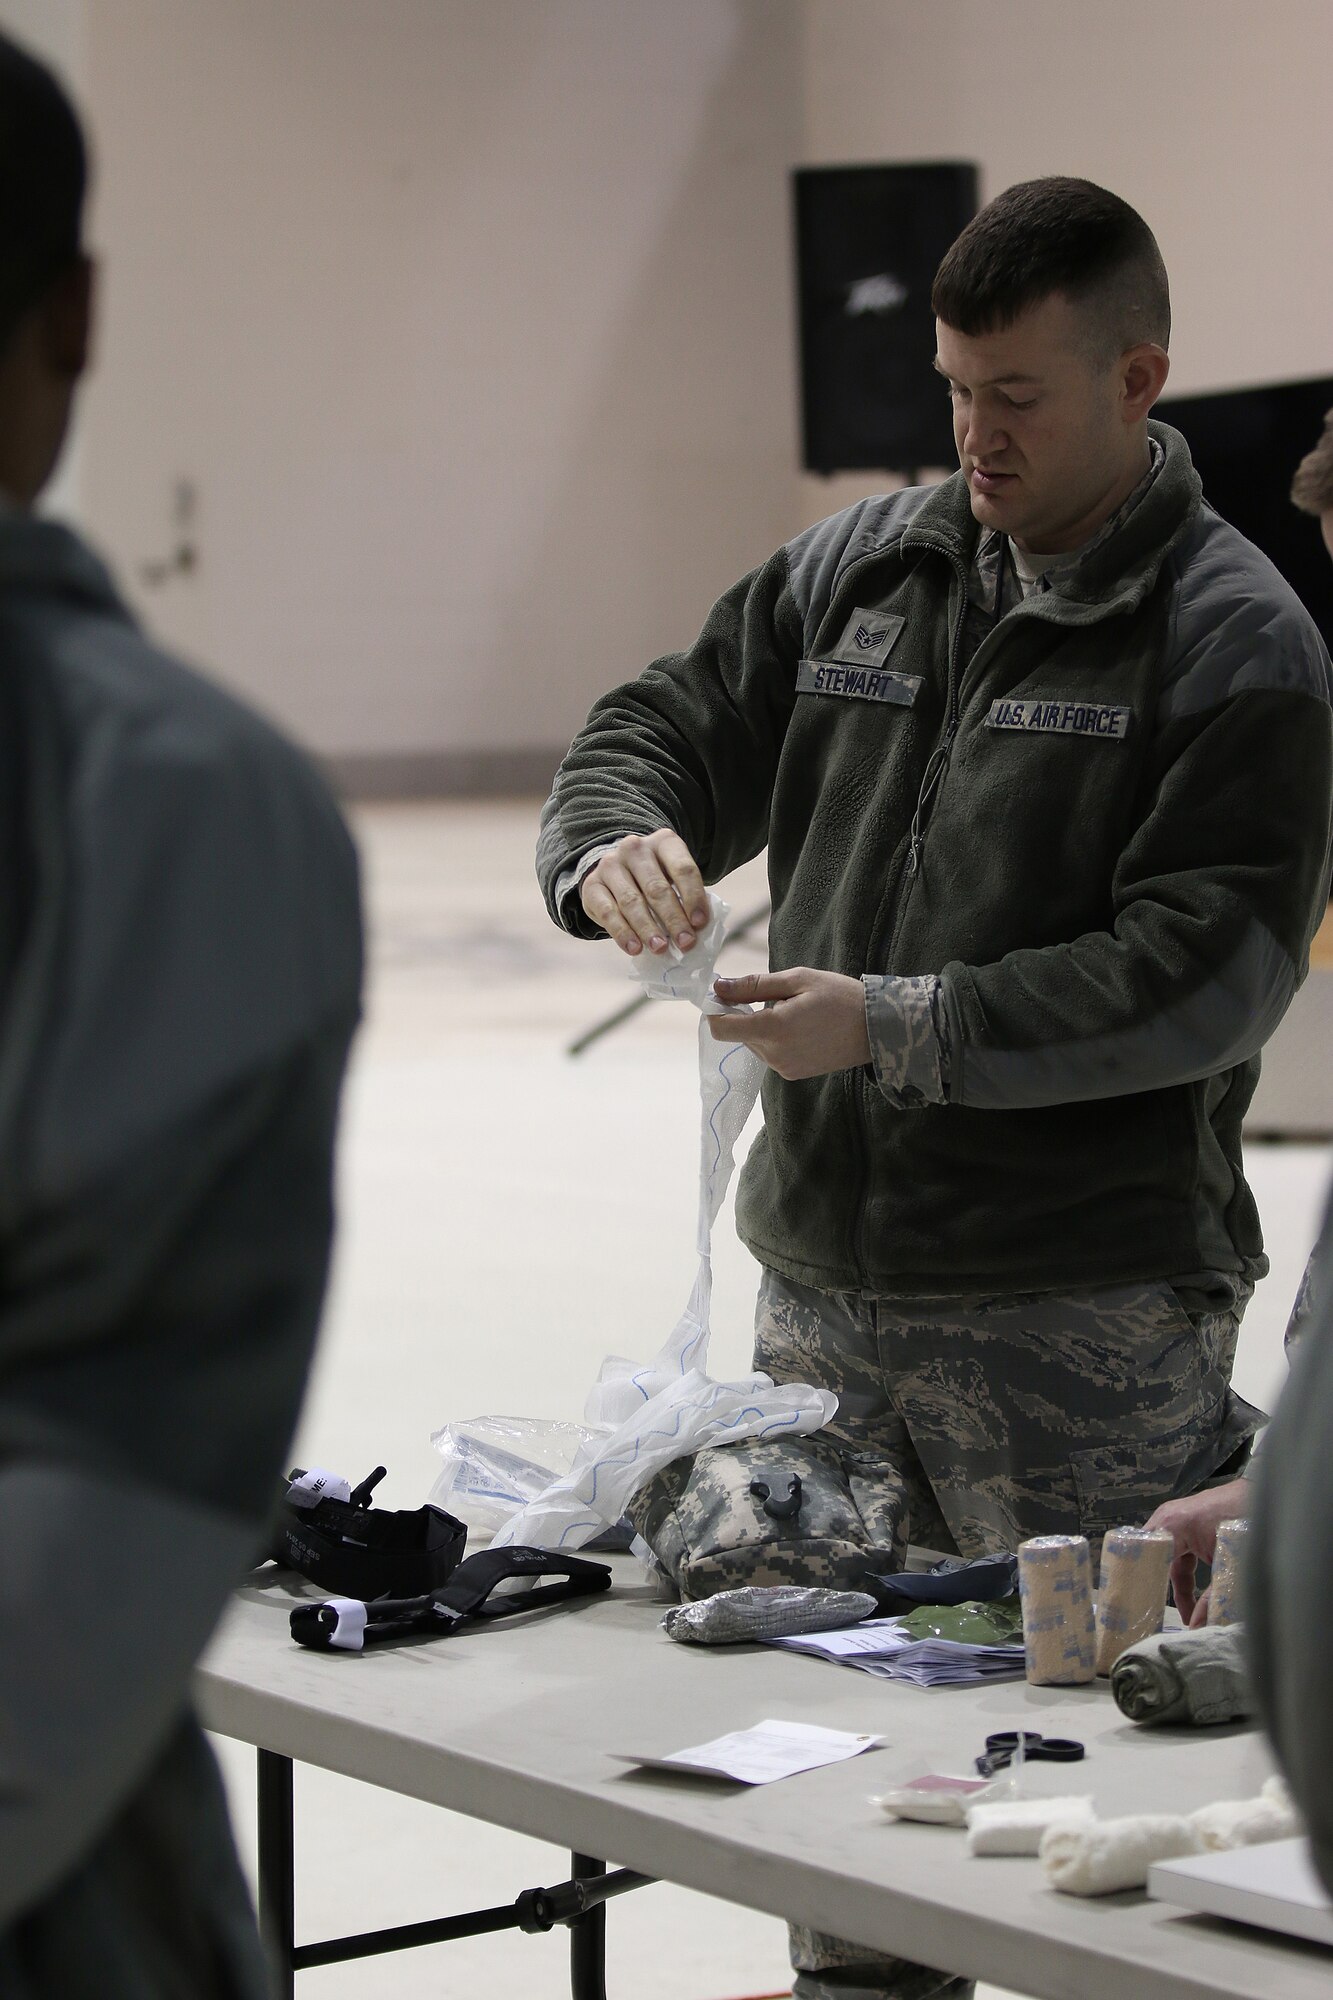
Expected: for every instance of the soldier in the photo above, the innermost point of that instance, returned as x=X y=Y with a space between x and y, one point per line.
x=1042 y=758
x=180 y=972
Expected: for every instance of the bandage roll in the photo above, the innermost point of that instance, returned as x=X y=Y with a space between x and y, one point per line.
x=1055 y=1586
x=1131 y=1603
x=1224 y=1607
x=1101 y=1857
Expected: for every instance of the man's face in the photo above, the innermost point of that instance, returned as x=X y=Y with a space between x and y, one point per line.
x=1038 y=425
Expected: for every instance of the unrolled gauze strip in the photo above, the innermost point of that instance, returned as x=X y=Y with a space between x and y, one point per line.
x=1136 y=1563
x=1055 y=1584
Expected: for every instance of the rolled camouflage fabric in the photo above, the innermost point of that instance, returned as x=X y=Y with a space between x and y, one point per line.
x=1197 y=1677
x=765 y=1611
x=710 y=1519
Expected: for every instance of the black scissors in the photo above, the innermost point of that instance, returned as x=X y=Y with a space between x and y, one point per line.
x=1002 y=1748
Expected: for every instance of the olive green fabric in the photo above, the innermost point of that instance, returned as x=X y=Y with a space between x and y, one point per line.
x=999 y=1623
x=1118 y=896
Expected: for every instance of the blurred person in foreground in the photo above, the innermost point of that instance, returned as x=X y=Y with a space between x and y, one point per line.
x=1195 y=1519
x=1289 y=1494
x=179 y=980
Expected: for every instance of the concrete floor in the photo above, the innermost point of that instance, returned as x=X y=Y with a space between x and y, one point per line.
x=508 y=1217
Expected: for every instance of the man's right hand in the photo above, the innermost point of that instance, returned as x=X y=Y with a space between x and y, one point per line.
x=646 y=891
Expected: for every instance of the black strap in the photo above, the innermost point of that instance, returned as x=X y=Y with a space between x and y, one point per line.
x=465 y=1599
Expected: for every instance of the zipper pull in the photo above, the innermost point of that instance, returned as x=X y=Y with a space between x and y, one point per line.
x=914 y=854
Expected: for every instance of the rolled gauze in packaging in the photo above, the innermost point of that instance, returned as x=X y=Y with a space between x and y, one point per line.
x=1224 y=1607
x=1055 y=1586
x=1131 y=1602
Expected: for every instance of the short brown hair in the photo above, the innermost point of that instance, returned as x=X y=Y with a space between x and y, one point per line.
x=43 y=179
x=1312 y=488
x=1057 y=235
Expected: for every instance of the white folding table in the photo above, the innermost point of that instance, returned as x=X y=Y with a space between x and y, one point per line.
x=517 y=1723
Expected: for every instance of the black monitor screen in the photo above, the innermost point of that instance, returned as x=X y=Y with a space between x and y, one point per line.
x=1246 y=444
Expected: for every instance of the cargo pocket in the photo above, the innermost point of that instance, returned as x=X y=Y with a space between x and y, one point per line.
x=766 y=1512
x=1119 y=1485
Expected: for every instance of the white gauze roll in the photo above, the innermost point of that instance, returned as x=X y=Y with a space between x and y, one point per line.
x=1245 y=1822
x=1112 y=1854
x=1016 y=1826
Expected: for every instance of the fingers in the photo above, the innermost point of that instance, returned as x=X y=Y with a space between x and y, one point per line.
x=761 y=986
x=1199 y=1615
x=682 y=871
x=600 y=903
x=1182 y=1586
x=738 y=1027
x=641 y=891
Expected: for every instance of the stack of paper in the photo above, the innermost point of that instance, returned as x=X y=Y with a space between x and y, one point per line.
x=881 y=1646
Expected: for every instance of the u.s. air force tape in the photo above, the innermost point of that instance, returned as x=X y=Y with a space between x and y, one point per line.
x=1061 y=715
x=861 y=683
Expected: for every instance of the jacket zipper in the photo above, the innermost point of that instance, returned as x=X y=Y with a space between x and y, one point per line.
x=932 y=778
x=937 y=764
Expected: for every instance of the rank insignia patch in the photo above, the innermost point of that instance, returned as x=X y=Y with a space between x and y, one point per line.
x=868 y=637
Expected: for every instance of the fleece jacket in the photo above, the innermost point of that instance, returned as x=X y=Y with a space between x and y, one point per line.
x=1107 y=832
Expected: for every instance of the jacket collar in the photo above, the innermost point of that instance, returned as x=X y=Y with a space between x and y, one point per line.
x=49 y=559
x=1118 y=570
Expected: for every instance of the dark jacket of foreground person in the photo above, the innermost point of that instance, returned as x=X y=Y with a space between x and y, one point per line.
x=1289 y=1613
x=180 y=971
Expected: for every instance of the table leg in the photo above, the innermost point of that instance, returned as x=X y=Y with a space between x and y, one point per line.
x=277 y=1876
x=587 y=1939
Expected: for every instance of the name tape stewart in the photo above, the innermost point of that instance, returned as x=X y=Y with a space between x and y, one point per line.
x=861 y=683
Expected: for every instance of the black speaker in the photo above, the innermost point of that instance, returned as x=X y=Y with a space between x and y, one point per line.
x=1246 y=445
x=868 y=243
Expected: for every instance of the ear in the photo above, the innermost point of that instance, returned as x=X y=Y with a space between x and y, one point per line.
x=1142 y=371
x=67 y=319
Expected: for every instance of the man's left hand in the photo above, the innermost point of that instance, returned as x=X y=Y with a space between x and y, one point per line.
x=811 y=1023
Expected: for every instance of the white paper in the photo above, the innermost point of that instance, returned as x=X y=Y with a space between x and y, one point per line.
x=768 y=1751
x=880 y=1646
x=875 y=1637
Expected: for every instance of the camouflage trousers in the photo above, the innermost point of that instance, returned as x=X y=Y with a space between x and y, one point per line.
x=998 y=1418
x=992 y=1419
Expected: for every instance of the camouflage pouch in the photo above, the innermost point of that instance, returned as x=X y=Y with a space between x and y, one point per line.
x=781 y=1510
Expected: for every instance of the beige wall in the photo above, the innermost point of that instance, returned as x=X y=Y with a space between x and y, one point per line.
x=1210 y=116
x=469 y=322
